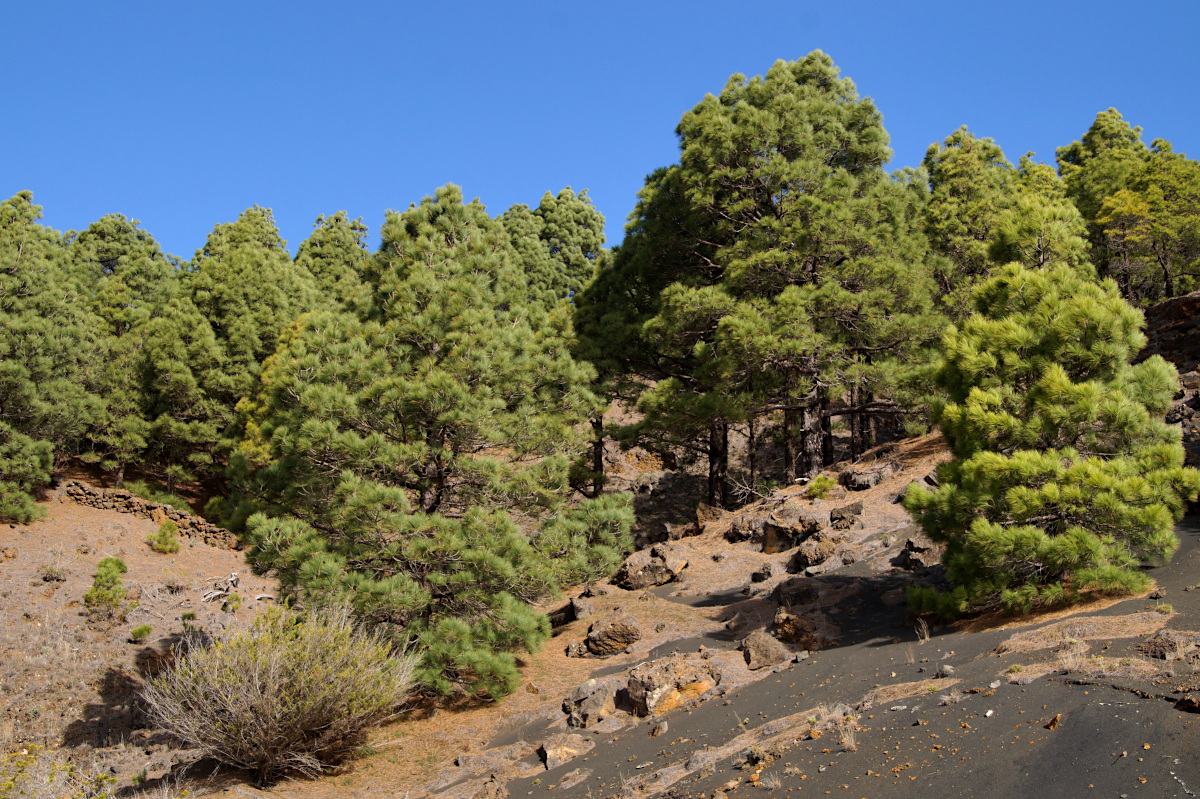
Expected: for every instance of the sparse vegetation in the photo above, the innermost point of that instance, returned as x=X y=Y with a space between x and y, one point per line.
x=166 y=540
x=819 y=487
x=107 y=595
x=140 y=633
x=37 y=773
x=293 y=695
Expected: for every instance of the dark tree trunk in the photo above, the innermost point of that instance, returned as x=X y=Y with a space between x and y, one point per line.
x=718 y=464
x=120 y=478
x=811 y=437
x=856 y=446
x=751 y=445
x=789 y=445
x=597 y=455
x=826 y=433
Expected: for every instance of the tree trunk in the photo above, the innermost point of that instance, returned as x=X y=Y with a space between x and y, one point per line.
x=826 y=433
x=789 y=445
x=718 y=464
x=750 y=446
x=811 y=437
x=856 y=447
x=597 y=456
x=120 y=478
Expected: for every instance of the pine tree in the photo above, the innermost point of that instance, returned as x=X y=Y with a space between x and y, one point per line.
x=422 y=448
x=1065 y=479
x=129 y=281
x=971 y=184
x=780 y=187
x=557 y=244
x=47 y=356
x=336 y=256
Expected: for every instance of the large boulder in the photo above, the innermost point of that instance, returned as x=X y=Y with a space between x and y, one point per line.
x=801 y=630
x=592 y=701
x=812 y=552
x=660 y=685
x=786 y=528
x=860 y=478
x=612 y=634
x=649 y=567
x=918 y=553
x=796 y=591
x=843 y=518
x=761 y=649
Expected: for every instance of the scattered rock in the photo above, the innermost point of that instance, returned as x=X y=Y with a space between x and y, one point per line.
x=801 y=631
x=560 y=749
x=786 y=527
x=843 y=518
x=591 y=701
x=1161 y=646
x=591 y=590
x=678 y=531
x=659 y=729
x=660 y=685
x=745 y=528
x=612 y=634
x=9 y=553
x=582 y=608
x=945 y=670
x=649 y=567
x=860 y=478
x=762 y=573
x=577 y=649
x=933 y=479
x=796 y=591
x=812 y=552
x=761 y=649
x=919 y=552
x=573 y=778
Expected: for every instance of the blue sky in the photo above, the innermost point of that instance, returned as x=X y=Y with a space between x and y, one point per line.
x=182 y=115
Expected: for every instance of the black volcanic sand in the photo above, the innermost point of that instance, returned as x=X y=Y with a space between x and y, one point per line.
x=1110 y=734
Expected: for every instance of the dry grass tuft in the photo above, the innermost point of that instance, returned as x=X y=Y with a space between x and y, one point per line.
x=1089 y=629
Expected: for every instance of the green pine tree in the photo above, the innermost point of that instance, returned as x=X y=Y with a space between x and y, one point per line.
x=421 y=448
x=1065 y=479
x=48 y=364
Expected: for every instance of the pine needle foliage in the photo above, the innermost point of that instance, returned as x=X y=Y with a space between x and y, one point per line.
x=1065 y=479
x=414 y=453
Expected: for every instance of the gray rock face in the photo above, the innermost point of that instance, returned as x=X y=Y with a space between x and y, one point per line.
x=582 y=608
x=660 y=685
x=649 y=567
x=612 y=634
x=761 y=649
x=591 y=702
x=812 y=552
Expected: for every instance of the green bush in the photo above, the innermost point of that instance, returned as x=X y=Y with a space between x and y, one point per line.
x=140 y=633
x=166 y=540
x=107 y=594
x=287 y=696
x=819 y=487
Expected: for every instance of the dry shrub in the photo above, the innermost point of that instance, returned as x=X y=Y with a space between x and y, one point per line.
x=286 y=696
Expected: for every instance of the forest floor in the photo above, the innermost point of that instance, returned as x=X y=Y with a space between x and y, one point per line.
x=1093 y=701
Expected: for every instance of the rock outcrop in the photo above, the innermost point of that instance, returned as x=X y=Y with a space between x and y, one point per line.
x=661 y=685
x=612 y=634
x=649 y=567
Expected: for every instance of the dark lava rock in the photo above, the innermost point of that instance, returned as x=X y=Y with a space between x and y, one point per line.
x=611 y=635
x=796 y=591
x=761 y=649
x=843 y=518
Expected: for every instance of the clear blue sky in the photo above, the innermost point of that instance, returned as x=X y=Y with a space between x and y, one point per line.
x=183 y=114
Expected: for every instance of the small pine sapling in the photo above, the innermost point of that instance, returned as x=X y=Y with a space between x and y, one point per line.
x=819 y=487
x=107 y=595
x=166 y=540
x=140 y=633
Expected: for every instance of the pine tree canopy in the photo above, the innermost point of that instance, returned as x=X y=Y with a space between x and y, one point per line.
x=423 y=448
x=1065 y=479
